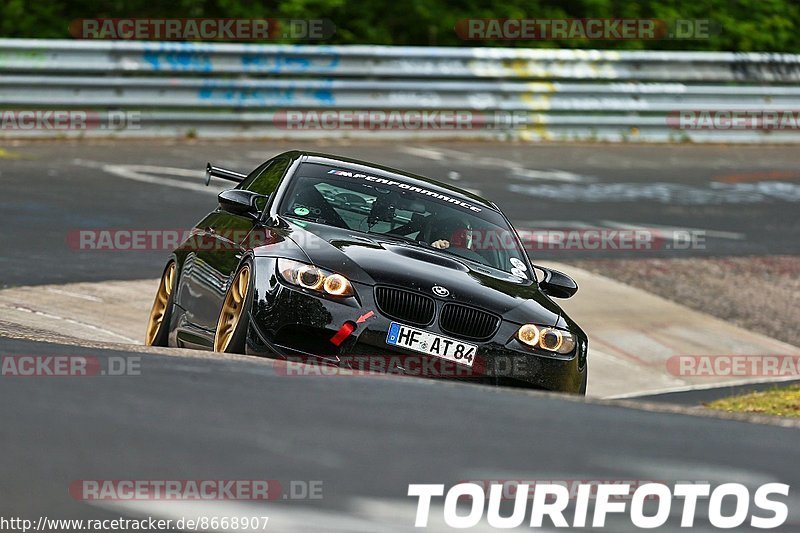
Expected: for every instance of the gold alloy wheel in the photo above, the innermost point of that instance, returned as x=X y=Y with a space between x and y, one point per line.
x=160 y=305
x=232 y=309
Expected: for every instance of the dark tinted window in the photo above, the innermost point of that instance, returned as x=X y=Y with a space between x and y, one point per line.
x=266 y=180
x=379 y=205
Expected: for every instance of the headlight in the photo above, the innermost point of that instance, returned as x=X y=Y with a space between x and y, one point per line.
x=550 y=339
x=314 y=278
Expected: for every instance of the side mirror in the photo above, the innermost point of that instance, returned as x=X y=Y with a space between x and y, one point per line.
x=557 y=284
x=240 y=202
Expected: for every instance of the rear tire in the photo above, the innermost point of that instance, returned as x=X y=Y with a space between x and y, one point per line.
x=234 y=317
x=157 y=333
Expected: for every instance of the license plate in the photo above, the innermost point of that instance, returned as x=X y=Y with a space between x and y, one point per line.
x=431 y=344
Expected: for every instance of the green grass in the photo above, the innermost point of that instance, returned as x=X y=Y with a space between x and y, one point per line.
x=780 y=401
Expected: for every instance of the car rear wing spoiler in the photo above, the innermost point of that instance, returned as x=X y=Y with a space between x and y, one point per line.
x=223 y=174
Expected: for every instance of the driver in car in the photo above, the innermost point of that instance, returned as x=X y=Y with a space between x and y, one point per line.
x=453 y=232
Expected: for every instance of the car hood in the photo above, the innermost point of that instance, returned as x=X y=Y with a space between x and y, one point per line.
x=377 y=260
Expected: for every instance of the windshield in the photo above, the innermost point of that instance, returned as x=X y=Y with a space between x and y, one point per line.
x=387 y=206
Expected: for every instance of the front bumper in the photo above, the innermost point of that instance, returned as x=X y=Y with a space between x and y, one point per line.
x=292 y=323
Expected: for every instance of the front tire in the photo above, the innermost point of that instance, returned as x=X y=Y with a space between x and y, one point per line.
x=234 y=317
x=157 y=333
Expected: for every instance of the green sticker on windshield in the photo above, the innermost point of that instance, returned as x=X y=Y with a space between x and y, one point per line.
x=301 y=211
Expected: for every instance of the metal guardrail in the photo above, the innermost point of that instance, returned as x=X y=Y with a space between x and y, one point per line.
x=240 y=89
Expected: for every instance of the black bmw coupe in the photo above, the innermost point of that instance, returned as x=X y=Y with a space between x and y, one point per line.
x=329 y=260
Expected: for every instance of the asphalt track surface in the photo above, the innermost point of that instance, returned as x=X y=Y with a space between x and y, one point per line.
x=365 y=438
